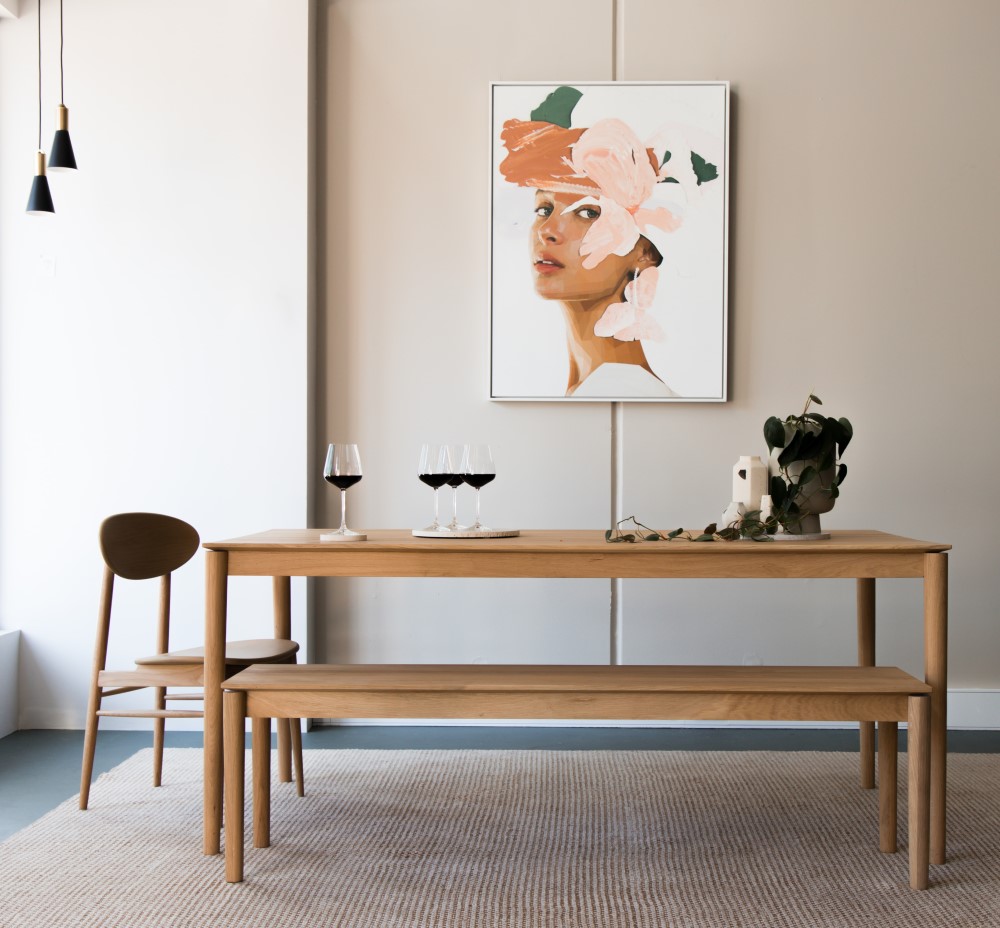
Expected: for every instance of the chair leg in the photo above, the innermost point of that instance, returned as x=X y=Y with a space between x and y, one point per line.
x=295 y=730
x=160 y=702
x=89 y=747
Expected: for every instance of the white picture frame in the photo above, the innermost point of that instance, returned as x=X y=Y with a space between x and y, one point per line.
x=664 y=337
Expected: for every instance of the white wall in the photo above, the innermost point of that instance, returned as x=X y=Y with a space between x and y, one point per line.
x=165 y=365
x=862 y=269
x=153 y=332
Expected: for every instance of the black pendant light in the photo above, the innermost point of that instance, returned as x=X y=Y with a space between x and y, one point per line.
x=40 y=200
x=62 y=157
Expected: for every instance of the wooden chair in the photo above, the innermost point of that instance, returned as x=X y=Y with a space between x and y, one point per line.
x=141 y=546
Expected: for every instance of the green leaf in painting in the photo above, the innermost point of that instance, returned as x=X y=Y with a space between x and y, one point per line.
x=703 y=170
x=666 y=158
x=669 y=180
x=557 y=107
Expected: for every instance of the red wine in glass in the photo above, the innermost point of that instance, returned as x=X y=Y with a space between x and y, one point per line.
x=343 y=469
x=343 y=481
x=433 y=470
x=477 y=470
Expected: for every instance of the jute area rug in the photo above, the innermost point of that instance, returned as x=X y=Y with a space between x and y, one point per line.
x=512 y=838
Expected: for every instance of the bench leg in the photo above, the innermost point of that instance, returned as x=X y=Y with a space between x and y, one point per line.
x=262 y=781
x=866 y=658
x=235 y=711
x=295 y=729
x=919 y=764
x=888 y=738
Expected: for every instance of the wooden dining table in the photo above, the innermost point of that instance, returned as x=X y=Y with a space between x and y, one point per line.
x=864 y=556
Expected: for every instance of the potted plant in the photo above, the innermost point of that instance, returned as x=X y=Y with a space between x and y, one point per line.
x=805 y=471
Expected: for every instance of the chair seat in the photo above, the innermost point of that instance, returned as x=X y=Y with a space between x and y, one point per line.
x=250 y=651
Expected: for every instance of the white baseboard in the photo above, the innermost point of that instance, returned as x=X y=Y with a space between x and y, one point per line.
x=968 y=709
x=10 y=642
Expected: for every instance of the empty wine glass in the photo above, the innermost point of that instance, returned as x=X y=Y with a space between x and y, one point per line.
x=432 y=471
x=452 y=467
x=343 y=470
x=477 y=470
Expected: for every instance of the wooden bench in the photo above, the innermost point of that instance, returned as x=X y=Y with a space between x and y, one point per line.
x=885 y=695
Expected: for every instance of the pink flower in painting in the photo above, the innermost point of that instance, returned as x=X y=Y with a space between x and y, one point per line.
x=610 y=154
x=629 y=321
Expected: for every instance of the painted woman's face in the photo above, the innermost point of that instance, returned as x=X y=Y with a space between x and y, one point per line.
x=561 y=222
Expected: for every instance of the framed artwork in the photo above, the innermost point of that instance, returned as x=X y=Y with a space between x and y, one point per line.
x=609 y=241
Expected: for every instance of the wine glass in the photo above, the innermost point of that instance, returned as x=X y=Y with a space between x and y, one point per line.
x=477 y=470
x=452 y=467
x=343 y=470
x=432 y=471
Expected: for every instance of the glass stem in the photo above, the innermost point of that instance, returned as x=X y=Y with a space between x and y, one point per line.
x=478 y=523
x=437 y=507
x=343 y=512
x=454 y=506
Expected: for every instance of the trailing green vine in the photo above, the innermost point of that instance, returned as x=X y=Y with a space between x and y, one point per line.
x=811 y=445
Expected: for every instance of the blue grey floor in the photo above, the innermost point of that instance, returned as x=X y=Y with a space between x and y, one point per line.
x=40 y=769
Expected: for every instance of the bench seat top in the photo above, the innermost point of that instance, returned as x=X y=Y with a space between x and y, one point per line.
x=506 y=678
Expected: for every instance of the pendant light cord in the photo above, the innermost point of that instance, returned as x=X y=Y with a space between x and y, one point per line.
x=39 y=75
x=62 y=85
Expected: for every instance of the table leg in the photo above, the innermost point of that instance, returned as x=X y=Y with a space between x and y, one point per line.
x=283 y=629
x=866 y=658
x=216 y=577
x=235 y=722
x=936 y=674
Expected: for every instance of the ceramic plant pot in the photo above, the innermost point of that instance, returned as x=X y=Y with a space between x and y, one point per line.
x=813 y=499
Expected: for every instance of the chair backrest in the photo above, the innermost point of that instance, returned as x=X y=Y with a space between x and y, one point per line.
x=141 y=545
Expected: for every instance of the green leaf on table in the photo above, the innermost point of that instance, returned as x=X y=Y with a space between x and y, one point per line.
x=808 y=473
x=711 y=528
x=778 y=490
x=607 y=535
x=774 y=433
x=705 y=537
x=653 y=536
x=675 y=533
x=847 y=433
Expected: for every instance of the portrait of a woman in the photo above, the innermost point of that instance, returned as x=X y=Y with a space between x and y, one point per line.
x=606 y=219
